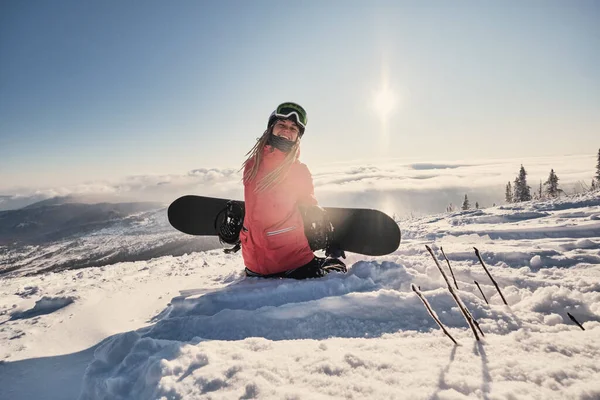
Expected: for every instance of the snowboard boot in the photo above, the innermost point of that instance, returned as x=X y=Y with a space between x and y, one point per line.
x=318 y=267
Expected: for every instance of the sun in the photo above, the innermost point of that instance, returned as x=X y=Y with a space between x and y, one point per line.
x=384 y=102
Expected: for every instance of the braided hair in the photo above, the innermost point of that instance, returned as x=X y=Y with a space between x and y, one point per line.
x=255 y=157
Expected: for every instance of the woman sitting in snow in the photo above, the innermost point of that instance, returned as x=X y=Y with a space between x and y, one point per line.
x=278 y=190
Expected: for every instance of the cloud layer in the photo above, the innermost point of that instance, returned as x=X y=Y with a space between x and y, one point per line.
x=394 y=186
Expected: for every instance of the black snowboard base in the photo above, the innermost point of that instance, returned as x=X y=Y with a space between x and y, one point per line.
x=357 y=230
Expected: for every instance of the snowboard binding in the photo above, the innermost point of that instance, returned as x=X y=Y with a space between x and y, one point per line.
x=229 y=223
x=320 y=231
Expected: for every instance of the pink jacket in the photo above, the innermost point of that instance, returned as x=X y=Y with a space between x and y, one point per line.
x=273 y=237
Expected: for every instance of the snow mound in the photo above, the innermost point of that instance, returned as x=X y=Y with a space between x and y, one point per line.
x=45 y=305
x=372 y=299
x=28 y=291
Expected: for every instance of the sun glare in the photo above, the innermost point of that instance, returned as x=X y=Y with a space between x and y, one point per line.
x=384 y=102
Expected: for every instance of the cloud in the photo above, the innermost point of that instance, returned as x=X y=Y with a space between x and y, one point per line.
x=395 y=186
x=156 y=188
x=425 y=188
x=421 y=166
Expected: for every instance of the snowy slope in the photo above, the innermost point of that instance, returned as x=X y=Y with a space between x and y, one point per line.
x=48 y=237
x=192 y=326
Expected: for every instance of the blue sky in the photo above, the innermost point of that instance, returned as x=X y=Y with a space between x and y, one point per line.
x=105 y=89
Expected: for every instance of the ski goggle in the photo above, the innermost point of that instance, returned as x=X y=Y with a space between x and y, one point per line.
x=288 y=110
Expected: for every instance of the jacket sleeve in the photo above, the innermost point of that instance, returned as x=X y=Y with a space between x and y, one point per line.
x=306 y=194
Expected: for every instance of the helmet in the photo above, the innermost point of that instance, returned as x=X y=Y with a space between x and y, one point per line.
x=291 y=111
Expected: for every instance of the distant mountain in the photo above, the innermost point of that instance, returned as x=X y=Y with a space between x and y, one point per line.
x=16 y=202
x=55 y=235
x=57 y=219
x=54 y=201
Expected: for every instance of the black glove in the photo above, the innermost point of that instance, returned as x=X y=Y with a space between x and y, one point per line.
x=320 y=232
x=317 y=227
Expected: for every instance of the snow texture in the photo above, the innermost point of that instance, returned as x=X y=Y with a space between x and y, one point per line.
x=45 y=305
x=193 y=327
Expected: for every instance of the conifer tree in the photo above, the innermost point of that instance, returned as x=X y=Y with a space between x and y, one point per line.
x=466 y=204
x=522 y=191
x=552 y=184
x=477 y=205
x=593 y=186
x=508 y=195
x=598 y=171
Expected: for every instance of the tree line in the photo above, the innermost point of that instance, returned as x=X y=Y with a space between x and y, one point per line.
x=519 y=190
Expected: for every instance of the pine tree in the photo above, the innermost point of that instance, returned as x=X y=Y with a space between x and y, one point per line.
x=552 y=184
x=522 y=190
x=477 y=205
x=593 y=187
x=541 y=191
x=466 y=204
x=526 y=196
x=508 y=196
x=598 y=171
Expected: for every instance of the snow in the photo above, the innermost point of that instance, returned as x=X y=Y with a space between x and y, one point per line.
x=193 y=327
x=45 y=305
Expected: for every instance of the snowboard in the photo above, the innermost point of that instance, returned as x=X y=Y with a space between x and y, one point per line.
x=357 y=230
